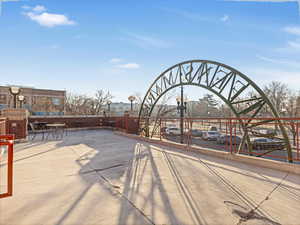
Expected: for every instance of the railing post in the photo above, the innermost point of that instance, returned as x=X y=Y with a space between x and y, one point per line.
x=10 y=169
x=9 y=143
x=160 y=129
x=297 y=140
x=230 y=127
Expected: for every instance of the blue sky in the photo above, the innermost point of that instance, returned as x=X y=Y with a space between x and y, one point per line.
x=122 y=46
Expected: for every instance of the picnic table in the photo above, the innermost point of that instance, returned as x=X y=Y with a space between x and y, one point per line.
x=56 y=129
x=40 y=125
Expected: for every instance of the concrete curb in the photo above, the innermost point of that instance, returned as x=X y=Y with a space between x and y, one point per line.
x=261 y=162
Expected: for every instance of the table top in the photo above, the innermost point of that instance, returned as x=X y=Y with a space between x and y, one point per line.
x=55 y=125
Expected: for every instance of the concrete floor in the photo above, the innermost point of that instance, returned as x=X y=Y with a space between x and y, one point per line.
x=96 y=177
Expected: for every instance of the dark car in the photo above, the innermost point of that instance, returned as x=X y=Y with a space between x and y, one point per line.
x=225 y=139
x=196 y=133
x=267 y=144
x=163 y=130
x=213 y=128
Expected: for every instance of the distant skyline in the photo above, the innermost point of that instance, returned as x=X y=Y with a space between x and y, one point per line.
x=122 y=46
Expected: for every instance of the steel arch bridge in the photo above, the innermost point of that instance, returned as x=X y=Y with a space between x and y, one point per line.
x=230 y=85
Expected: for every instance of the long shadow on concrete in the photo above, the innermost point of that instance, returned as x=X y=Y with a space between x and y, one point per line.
x=155 y=185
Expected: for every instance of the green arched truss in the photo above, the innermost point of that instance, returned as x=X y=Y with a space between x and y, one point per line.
x=230 y=85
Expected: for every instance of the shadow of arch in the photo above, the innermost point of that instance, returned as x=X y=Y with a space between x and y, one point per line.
x=229 y=84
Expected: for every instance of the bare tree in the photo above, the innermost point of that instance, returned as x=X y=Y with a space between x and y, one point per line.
x=292 y=109
x=83 y=105
x=100 y=99
x=277 y=92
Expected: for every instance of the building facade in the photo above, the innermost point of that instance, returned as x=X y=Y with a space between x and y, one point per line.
x=37 y=101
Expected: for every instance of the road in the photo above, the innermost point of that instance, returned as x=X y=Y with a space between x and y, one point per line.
x=279 y=155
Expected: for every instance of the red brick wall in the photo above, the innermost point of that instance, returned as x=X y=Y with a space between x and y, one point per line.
x=3 y=127
x=71 y=122
x=128 y=124
x=18 y=128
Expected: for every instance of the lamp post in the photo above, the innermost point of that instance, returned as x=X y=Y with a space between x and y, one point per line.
x=15 y=91
x=108 y=108
x=131 y=99
x=108 y=105
x=21 y=99
x=181 y=108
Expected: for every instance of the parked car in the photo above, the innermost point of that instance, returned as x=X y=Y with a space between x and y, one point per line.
x=196 y=133
x=173 y=131
x=267 y=144
x=213 y=128
x=163 y=130
x=210 y=135
x=225 y=139
x=265 y=131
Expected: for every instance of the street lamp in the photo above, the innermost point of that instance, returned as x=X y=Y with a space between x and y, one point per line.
x=21 y=99
x=15 y=91
x=131 y=98
x=108 y=105
x=181 y=107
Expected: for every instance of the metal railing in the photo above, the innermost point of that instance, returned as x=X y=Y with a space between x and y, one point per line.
x=228 y=134
x=6 y=165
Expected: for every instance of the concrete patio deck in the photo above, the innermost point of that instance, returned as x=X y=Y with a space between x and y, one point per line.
x=97 y=177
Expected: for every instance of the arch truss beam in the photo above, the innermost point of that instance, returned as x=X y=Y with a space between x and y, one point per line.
x=241 y=94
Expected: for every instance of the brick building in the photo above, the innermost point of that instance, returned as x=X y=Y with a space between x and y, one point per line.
x=37 y=101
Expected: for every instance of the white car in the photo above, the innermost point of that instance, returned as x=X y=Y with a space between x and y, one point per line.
x=210 y=135
x=173 y=130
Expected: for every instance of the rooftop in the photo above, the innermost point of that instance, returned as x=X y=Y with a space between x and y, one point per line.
x=98 y=177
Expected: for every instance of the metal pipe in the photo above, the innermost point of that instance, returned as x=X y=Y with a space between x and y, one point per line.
x=15 y=101
x=181 y=115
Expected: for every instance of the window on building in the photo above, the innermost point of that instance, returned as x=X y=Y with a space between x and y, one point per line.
x=3 y=99
x=56 y=101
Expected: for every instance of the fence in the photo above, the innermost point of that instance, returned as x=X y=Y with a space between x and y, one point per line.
x=6 y=165
x=227 y=134
x=125 y=123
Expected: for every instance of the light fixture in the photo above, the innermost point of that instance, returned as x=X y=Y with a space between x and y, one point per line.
x=21 y=98
x=14 y=90
x=131 y=98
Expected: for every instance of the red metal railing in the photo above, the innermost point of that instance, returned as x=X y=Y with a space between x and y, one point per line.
x=6 y=164
x=232 y=127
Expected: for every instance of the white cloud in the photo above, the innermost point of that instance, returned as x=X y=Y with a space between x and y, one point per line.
x=186 y=14
x=274 y=1
x=294 y=44
x=115 y=60
x=291 y=45
x=225 y=18
x=265 y=75
x=80 y=36
x=148 y=41
x=54 y=46
x=292 y=30
x=280 y=61
x=50 y=20
x=39 y=9
x=129 y=66
x=26 y=7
